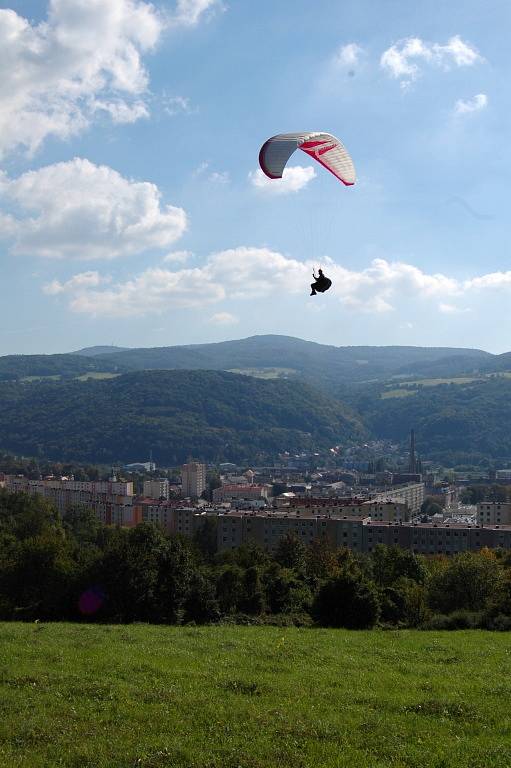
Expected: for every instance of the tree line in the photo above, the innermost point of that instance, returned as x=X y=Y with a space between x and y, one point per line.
x=76 y=569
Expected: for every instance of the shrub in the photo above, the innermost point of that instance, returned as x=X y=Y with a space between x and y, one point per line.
x=348 y=601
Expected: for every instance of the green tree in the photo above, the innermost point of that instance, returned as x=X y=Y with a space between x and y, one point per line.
x=229 y=586
x=468 y=581
x=252 y=600
x=348 y=600
x=291 y=552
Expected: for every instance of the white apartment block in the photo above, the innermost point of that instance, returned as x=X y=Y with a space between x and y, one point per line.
x=193 y=479
x=156 y=488
x=112 y=502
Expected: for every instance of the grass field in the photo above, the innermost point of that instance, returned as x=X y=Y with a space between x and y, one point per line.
x=97 y=375
x=252 y=697
x=402 y=392
x=264 y=373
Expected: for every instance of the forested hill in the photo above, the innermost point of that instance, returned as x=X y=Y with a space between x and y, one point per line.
x=458 y=422
x=211 y=415
x=266 y=356
x=315 y=362
x=14 y=367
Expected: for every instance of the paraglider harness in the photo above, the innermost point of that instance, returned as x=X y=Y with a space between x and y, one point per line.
x=321 y=283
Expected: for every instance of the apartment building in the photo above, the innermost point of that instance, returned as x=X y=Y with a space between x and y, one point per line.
x=111 y=501
x=494 y=513
x=193 y=479
x=235 y=491
x=358 y=534
x=411 y=494
x=157 y=488
x=377 y=510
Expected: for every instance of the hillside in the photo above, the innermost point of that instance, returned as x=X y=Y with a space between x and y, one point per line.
x=102 y=696
x=317 y=363
x=99 y=350
x=14 y=367
x=207 y=414
x=267 y=356
x=467 y=418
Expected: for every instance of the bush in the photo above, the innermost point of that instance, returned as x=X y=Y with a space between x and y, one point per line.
x=348 y=601
x=456 y=620
x=499 y=623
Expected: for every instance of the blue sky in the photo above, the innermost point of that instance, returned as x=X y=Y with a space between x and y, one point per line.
x=131 y=210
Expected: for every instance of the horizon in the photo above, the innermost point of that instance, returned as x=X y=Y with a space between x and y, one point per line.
x=116 y=347
x=132 y=206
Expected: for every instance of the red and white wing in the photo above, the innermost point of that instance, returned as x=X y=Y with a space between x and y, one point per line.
x=323 y=147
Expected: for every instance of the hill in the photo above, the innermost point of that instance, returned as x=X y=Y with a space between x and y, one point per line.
x=13 y=367
x=319 y=363
x=224 y=696
x=469 y=418
x=265 y=356
x=212 y=415
x=99 y=350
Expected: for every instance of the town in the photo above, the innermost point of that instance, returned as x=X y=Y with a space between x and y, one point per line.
x=344 y=507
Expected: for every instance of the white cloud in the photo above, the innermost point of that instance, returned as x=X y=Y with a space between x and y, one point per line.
x=85 y=57
x=223 y=318
x=451 y=309
x=402 y=60
x=177 y=257
x=78 y=210
x=246 y=273
x=189 y=12
x=348 y=56
x=175 y=105
x=294 y=179
x=77 y=283
x=475 y=104
x=219 y=177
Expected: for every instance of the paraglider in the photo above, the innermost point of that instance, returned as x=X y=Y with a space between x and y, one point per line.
x=321 y=283
x=322 y=147
x=326 y=150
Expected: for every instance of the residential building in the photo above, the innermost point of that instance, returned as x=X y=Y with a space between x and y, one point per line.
x=494 y=513
x=230 y=492
x=411 y=494
x=111 y=501
x=193 y=478
x=157 y=488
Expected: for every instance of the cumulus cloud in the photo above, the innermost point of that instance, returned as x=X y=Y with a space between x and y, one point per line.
x=223 y=318
x=84 y=59
x=77 y=283
x=177 y=257
x=259 y=273
x=348 y=56
x=294 y=179
x=219 y=177
x=189 y=12
x=175 y=105
x=403 y=60
x=475 y=104
x=78 y=210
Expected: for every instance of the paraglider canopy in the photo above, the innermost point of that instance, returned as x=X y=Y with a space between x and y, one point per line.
x=323 y=147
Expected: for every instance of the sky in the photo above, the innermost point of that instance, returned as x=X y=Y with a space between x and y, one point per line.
x=133 y=211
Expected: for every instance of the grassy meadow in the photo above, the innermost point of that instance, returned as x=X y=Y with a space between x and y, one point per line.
x=91 y=696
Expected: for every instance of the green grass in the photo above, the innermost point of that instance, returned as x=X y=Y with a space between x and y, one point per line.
x=88 y=696
x=97 y=375
x=264 y=373
x=402 y=392
x=437 y=382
